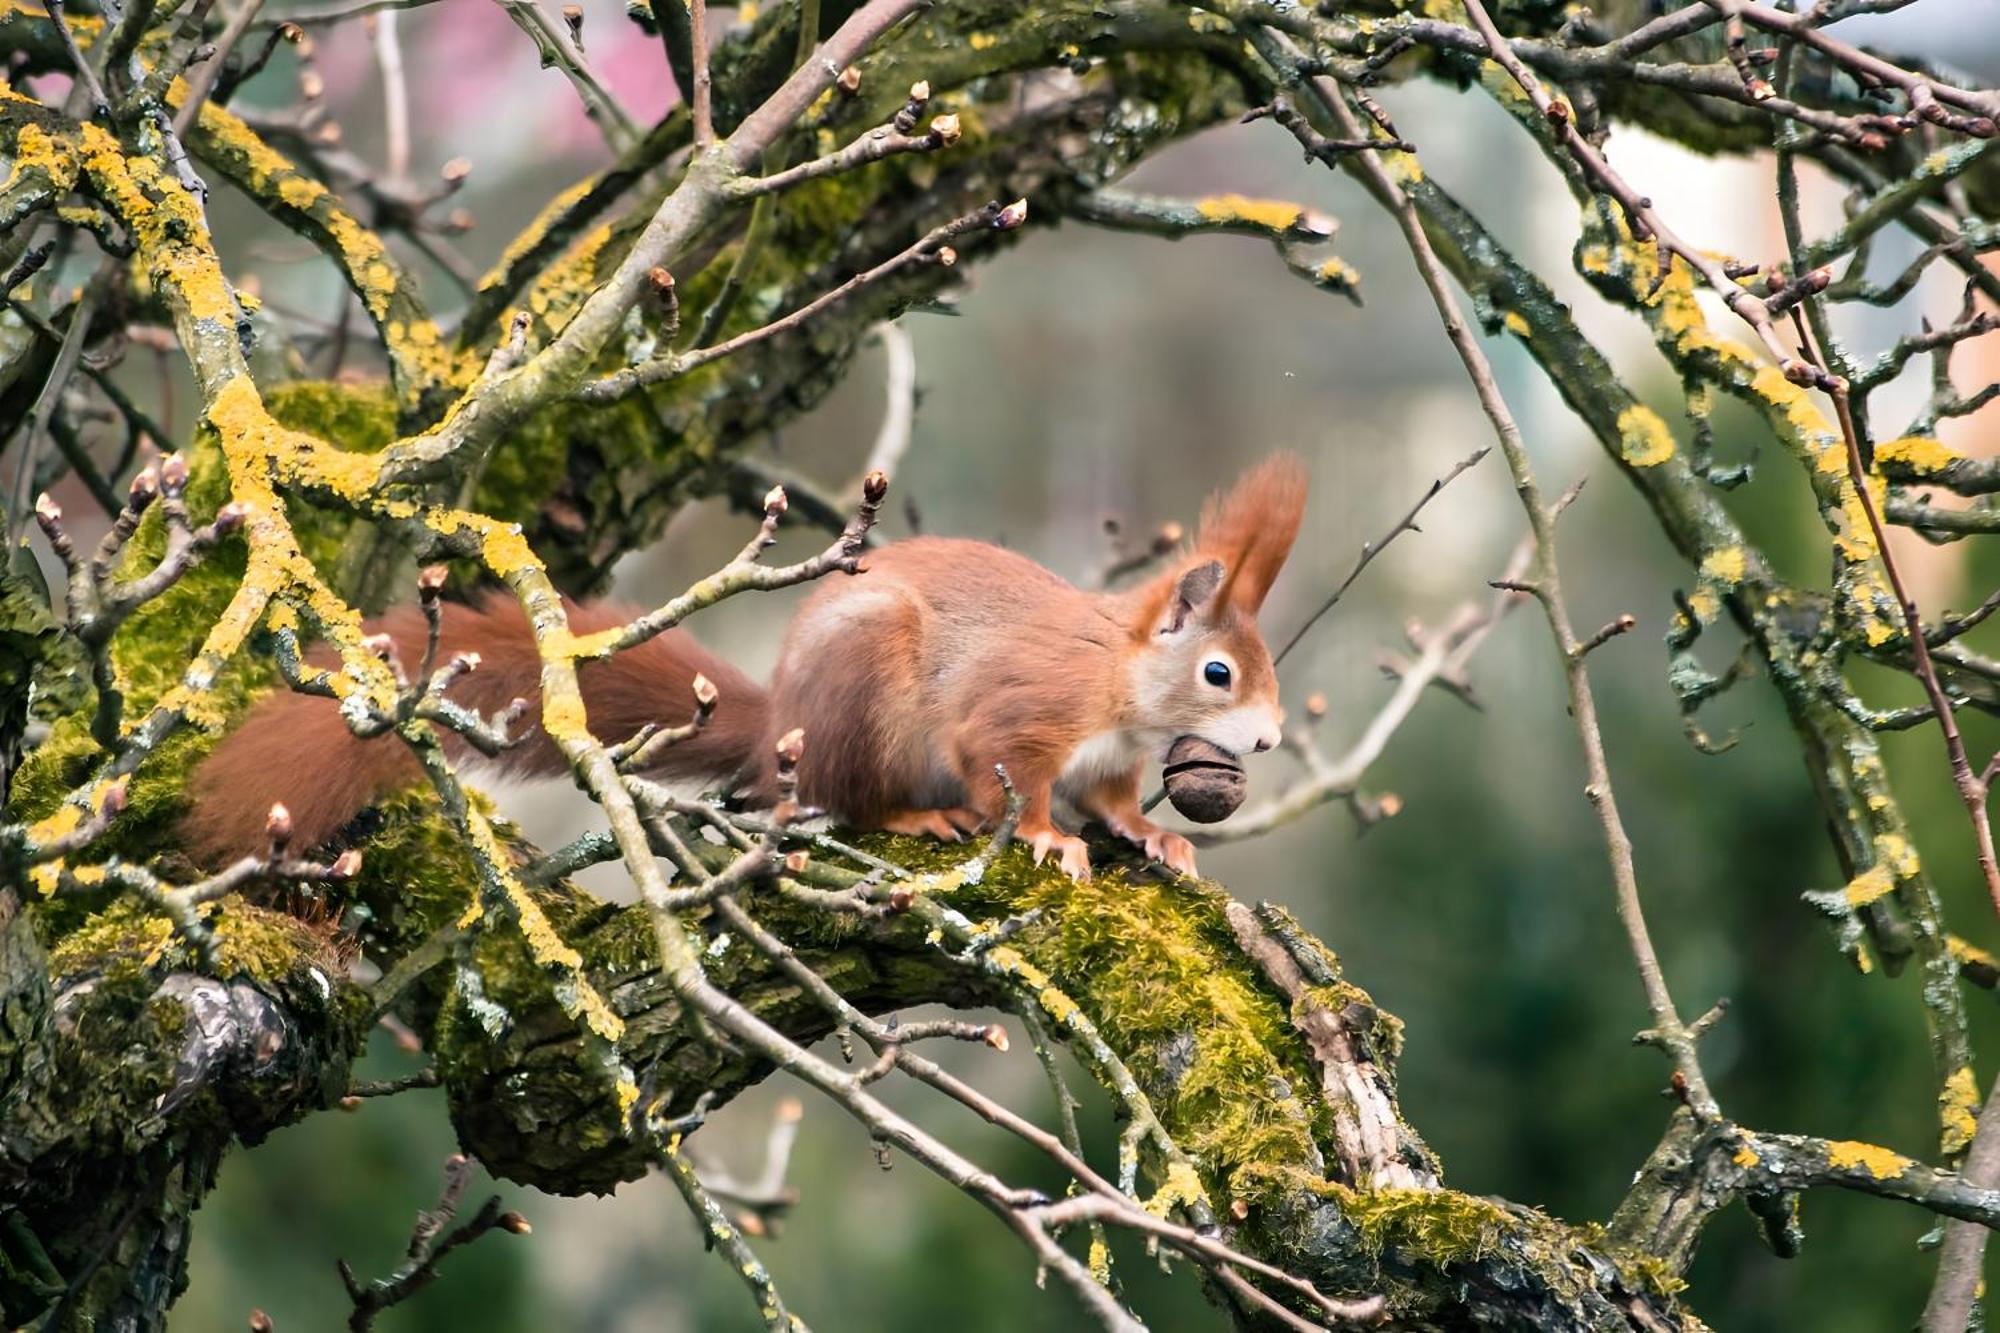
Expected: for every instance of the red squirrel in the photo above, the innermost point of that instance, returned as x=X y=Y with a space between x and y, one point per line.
x=911 y=681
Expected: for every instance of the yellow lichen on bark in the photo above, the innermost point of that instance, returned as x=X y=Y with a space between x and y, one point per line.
x=416 y=349
x=1726 y=566
x=1958 y=1111
x=534 y=232
x=36 y=150
x=564 y=285
x=1644 y=440
x=1968 y=954
x=1869 y=886
x=1924 y=455
x=1876 y=1161
x=1272 y=215
x=1181 y=1189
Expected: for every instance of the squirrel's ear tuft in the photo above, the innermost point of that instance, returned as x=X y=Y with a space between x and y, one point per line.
x=1250 y=528
x=1193 y=590
x=1175 y=596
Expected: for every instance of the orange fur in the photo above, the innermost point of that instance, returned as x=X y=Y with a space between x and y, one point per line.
x=296 y=748
x=1251 y=528
x=913 y=682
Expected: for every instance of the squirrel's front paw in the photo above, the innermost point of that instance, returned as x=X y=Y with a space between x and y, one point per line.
x=1171 y=850
x=1074 y=854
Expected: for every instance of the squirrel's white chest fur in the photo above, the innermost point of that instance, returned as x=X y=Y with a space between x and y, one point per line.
x=1099 y=758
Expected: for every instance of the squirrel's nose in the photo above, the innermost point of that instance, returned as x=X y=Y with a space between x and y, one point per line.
x=1263 y=744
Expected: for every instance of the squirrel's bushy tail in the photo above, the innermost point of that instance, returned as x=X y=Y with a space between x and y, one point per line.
x=297 y=749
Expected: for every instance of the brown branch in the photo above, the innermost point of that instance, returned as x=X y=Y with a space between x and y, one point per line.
x=1972 y=792
x=1036 y=1221
x=1442 y=656
x=745 y=572
x=182 y=904
x=427 y=1247
x=1953 y=626
x=1924 y=93
x=717 y=1229
x=86 y=75
x=1318 y=146
x=704 y=115
x=1368 y=1135
x=885 y=140
x=483 y=415
x=203 y=81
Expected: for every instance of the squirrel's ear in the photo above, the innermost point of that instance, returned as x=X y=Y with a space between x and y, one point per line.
x=1192 y=593
x=1251 y=528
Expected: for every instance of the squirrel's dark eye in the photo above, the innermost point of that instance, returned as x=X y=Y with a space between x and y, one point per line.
x=1216 y=674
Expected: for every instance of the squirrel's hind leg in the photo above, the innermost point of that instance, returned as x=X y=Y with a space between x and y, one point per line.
x=1034 y=783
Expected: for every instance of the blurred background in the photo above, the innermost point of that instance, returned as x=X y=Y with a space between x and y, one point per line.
x=1092 y=374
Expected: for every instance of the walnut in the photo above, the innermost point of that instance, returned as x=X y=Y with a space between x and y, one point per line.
x=1204 y=781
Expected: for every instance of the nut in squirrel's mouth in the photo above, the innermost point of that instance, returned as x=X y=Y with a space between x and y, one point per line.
x=1205 y=782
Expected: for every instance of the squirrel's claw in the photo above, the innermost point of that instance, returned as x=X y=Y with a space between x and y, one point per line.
x=1171 y=850
x=1074 y=854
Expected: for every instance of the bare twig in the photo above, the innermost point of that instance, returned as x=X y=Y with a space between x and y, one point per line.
x=428 y=1247
x=1644 y=220
x=1442 y=656
x=717 y=1229
x=878 y=143
x=1371 y=549
x=704 y=116
x=203 y=81
x=86 y=75
x=899 y=409
x=557 y=47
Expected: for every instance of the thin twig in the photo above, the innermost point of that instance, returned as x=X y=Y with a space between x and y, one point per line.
x=86 y=75
x=203 y=81
x=427 y=1247
x=704 y=115
x=1371 y=549
x=39 y=416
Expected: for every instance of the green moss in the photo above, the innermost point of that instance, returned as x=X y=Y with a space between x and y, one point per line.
x=122 y=941
x=416 y=873
x=1637 y=1268
x=152 y=650
x=360 y=416
x=138 y=1071
x=813 y=220
x=1438 y=1227
x=125 y=940
x=52 y=770
x=269 y=945
x=631 y=450
x=1157 y=963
